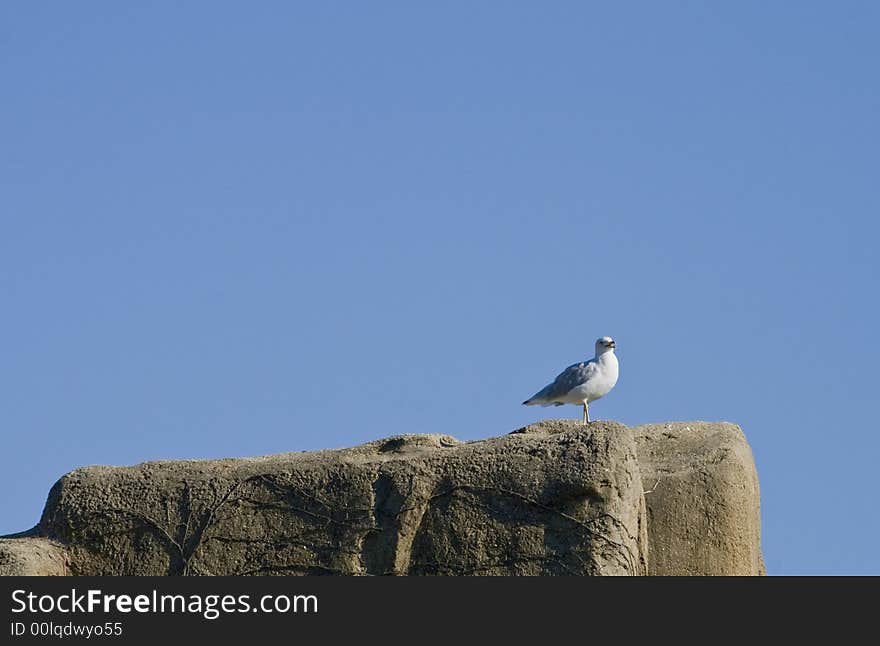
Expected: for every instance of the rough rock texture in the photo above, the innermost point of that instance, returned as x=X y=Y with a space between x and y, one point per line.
x=703 y=501
x=560 y=499
x=550 y=498
x=32 y=556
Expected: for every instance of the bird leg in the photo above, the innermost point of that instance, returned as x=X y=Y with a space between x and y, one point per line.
x=586 y=414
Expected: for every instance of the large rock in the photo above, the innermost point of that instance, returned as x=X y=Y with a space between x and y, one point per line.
x=551 y=498
x=560 y=499
x=702 y=497
x=32 y=556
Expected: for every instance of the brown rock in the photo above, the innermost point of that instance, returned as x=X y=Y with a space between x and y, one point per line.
x=550 y=498
x=32 y=556
x=558 y=499
x=703 y=501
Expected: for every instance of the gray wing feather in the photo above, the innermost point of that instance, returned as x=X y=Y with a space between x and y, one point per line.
x=571 y=377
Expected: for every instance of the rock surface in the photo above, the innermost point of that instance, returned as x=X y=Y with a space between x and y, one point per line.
x=32 y=556
x=550 y=498
x=703 y=502
x=567 y=502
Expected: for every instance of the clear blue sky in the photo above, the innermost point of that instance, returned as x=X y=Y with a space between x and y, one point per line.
x=233 y=229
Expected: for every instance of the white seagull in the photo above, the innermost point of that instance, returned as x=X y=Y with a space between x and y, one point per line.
x=583 y=382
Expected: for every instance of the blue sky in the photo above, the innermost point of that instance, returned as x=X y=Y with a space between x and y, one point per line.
x=232 y=229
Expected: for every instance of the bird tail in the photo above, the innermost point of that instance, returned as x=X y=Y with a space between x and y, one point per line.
x=537 y=401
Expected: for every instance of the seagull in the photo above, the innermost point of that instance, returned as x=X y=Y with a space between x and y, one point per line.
x=582 y=383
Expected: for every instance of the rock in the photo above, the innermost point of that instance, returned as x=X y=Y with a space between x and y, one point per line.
x=703 y=501
x=556 y=498
x=32 y=556
x=550 y=498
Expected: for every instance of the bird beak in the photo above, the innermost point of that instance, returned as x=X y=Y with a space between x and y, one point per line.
x=612 y=345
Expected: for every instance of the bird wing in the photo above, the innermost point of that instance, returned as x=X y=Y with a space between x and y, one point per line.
x=572 y=377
